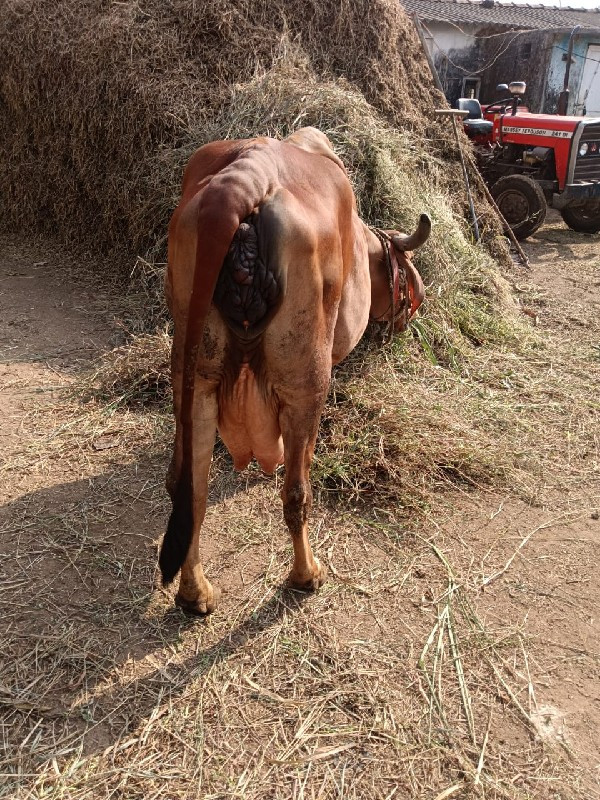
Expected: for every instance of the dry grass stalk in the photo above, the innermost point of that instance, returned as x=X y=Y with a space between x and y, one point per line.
x=108 y=690
x=271 y=692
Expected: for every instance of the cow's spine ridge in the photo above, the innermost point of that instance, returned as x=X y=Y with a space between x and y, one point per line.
x=225 y=202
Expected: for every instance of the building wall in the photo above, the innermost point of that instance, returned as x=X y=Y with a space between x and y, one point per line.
x=556 y=70
x=536 y=57
x=518 y=58
x=481 y=52
x=447 y=37
x=453 y=51
x=588 y=93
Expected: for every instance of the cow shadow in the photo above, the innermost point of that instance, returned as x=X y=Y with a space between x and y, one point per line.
x=82 y=611
x=84 y=614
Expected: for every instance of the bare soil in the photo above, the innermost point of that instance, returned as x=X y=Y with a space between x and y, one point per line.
x=107 y=691
x=550 y=591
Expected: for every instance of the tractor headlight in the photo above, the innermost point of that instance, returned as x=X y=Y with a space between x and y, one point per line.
x=583 y=149
x=517 y=87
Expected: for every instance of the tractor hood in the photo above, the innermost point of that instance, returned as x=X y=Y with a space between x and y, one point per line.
x=545 y=124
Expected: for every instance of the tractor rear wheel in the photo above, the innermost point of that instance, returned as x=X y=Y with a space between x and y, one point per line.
x=583 y=219
x=521 y=203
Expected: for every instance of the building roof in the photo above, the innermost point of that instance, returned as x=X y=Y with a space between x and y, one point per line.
x=508 y=16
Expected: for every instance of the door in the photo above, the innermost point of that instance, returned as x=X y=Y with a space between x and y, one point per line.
x=470 y=87
x=588 y=99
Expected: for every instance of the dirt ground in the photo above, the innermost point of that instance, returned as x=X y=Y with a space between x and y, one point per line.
x=551 y=589
x=95 y=664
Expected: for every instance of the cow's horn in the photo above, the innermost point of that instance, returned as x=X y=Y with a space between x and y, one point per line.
x=416 y=239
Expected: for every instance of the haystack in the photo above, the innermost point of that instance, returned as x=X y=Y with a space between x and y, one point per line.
x=103 y=101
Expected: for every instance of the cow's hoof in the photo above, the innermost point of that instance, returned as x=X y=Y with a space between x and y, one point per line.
x=202 y=606
x=310 y=583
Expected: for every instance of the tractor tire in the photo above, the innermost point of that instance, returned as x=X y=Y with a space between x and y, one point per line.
x=583 y=219
x=521 y=203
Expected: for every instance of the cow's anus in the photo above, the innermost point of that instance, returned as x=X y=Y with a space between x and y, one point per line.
x=249 y=287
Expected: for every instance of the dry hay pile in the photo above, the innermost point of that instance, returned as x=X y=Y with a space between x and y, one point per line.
x=104 y=103
x=101 y=102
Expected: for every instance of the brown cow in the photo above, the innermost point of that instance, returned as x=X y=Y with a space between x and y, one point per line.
x=271 y=281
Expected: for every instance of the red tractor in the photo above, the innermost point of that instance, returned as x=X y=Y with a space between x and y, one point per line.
x=531 y=161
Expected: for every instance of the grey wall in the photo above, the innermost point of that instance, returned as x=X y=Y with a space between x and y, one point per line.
x=534 y=57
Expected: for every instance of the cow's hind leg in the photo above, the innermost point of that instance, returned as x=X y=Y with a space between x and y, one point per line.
x=196 y=594
x=299 y=427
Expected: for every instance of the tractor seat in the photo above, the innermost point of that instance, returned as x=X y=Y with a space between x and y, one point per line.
x=478 y=126
x=474 y=122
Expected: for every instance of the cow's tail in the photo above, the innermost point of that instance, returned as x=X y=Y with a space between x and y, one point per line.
x=223 y=206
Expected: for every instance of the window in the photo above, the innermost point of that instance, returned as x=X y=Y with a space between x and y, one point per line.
x=470 y=87
x=526 y=51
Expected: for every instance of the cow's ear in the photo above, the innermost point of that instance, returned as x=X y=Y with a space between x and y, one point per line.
x=414 y=283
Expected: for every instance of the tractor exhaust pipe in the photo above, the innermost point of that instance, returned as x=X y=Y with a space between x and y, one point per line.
x=563 y=98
